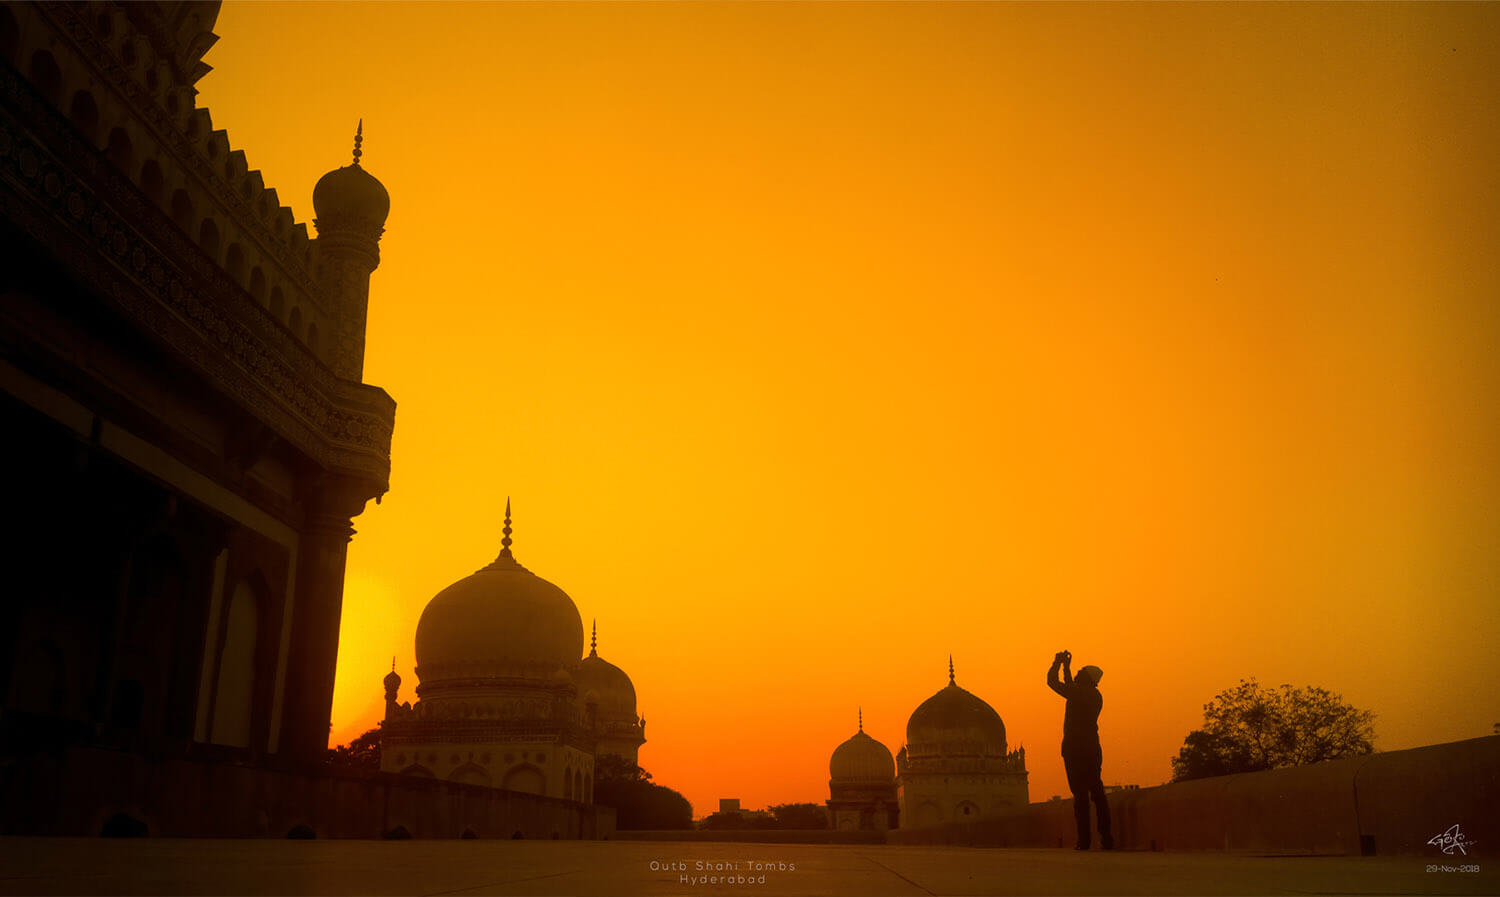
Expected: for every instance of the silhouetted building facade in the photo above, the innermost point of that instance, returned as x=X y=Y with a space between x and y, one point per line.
x=504 y=699
x=956 y=765
x=187 y=437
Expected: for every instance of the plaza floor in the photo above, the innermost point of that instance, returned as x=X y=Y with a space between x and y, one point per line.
x=624 y=868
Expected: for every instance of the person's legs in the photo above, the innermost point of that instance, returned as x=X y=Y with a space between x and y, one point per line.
x=1101 y=805
x=1078 y=782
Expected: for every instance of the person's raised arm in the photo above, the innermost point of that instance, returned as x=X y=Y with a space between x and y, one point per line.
x=1052 y=681
x=1067 y=659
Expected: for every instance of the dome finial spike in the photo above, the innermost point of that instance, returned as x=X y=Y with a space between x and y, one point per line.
x=505 y=540
x=950 y=670
x=359 y=137
x=594 y=641
x=861 y=719
x=393 y=663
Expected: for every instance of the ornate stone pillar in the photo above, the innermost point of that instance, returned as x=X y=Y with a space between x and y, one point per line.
x=316 y=610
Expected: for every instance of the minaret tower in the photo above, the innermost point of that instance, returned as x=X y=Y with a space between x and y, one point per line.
x=351 y=208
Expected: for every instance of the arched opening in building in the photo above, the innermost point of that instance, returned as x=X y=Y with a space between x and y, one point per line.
x=312 y=343
x=208 y=238
x=46 y=76
x=120 y=151
x=234 y=693
x=295 y=321
x=418 y=770
x=278 y=304
x=966 y=810
x=84 y=113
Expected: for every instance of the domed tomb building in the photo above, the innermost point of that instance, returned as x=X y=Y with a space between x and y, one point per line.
x=608 y=696
x=955 y=765
x=499 y=701
x=862 y=784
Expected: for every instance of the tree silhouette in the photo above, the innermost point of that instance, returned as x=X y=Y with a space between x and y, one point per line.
x=1248 y=728
x=639 y=803
x=361 y=753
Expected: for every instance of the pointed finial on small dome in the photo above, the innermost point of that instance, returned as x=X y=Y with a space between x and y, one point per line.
x=594 y=641
x=359 y=137
x=861 y=719
x=950 y=670
x=393 y=663
x=505 y=540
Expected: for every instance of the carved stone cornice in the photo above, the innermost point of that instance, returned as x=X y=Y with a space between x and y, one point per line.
x=55 y=187
x=72 y=20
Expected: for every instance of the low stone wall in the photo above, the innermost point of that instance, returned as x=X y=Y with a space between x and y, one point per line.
x=1388 y=803
x=79 y=791
x=758 y=836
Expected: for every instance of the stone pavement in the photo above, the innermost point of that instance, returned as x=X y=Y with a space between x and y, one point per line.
x=625 y=868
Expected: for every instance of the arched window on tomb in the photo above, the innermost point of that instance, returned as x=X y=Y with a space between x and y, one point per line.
x=152 y=183
x=208 y=238
x=85 y=115
x=234 y=693
x=295 y=321
x=120 y=150
x=568 y=784
x=46 y=76
x=588 y=788
x=278 y=304
x=312 y=344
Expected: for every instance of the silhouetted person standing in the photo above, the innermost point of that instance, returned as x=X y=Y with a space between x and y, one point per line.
x=1082 y=757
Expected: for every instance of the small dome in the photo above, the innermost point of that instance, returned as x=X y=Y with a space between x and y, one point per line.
x=955 y=715
x=350 y=198
x=602 y=683
x=862 y=757
x=502 y=620
x=392 y=679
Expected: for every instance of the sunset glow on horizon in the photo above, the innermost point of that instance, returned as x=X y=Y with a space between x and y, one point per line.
x=814 y=343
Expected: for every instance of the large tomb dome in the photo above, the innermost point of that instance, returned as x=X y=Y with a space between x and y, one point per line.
x=955 y=716
x=501 y=621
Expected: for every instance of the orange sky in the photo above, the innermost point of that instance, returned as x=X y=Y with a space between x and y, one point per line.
x=816 y=342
